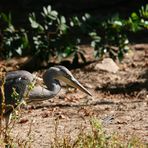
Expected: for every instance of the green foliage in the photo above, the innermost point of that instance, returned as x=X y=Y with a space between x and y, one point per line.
x=111 y=36
x=14 y=41
x=112 y=41
x=94 y=137
x=138 y=21
x=144 y=16
x=55 y=35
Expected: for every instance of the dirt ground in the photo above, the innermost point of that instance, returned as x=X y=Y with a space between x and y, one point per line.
x=119 y=101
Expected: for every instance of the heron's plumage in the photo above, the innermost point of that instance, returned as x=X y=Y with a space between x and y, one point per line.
x=51 y=81
x=14 y=88
x=18 y=81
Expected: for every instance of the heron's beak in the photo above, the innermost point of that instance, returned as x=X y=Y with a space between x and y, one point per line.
x=74 y=83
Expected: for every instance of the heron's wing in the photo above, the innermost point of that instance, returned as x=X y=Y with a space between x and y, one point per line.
x=15 y=86
x=39 y=93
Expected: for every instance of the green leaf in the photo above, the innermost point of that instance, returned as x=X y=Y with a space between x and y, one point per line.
x=34 y=24
x=54 y=14
x=48 y=9
x=25 y=40
x=32 y=20
x=19 y=51
x=62 y=25
x=45 y=11
x=63 y=20
x=68 y=51
x=134 y=16
x=118 y=23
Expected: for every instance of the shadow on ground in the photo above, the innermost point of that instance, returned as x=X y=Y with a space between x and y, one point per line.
x=128 y=88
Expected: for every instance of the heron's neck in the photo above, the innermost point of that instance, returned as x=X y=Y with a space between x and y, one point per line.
x=52 y=85
x=41 y=93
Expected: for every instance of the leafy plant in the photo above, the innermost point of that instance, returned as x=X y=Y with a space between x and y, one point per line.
x=14 y=41
x=53 y=35
x=94 y=137
x=144 y=12
x=112 y=40
x=111 y=36
x=138 y=20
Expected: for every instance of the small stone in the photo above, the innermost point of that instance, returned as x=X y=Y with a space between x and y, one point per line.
x=23 y=120
x=107 y=65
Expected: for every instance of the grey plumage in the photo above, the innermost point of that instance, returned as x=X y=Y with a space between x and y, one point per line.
x=15 y=82
x=15 y=86
x=19 y=81
x=51 y=79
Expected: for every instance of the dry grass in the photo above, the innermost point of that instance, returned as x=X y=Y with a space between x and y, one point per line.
x=7 y=140
x=96 y=137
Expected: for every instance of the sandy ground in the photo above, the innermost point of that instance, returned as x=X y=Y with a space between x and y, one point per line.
x=120 y=102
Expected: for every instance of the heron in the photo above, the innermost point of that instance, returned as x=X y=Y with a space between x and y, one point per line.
x=14 y=85
x=17 y=82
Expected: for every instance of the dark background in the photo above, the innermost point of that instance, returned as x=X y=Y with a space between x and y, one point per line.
x=20 y=8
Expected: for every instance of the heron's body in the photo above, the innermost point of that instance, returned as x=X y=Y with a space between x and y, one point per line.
x=16 y=83
x=52 y=86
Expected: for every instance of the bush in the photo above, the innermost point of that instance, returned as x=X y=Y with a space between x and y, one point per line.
x=58 y=36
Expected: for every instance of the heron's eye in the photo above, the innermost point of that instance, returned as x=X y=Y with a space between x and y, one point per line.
x=23 y=78
x=19 y=78
x=68 y=76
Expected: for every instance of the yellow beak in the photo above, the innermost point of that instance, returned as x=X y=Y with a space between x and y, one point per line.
x=74 y=83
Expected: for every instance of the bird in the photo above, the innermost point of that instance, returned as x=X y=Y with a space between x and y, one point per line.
x=17 y=84
x=51 y=79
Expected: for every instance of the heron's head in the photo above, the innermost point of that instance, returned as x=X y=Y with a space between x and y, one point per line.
x=62 y=73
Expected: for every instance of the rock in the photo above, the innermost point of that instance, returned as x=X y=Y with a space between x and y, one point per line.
x=23 y=120
x=107 y=65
